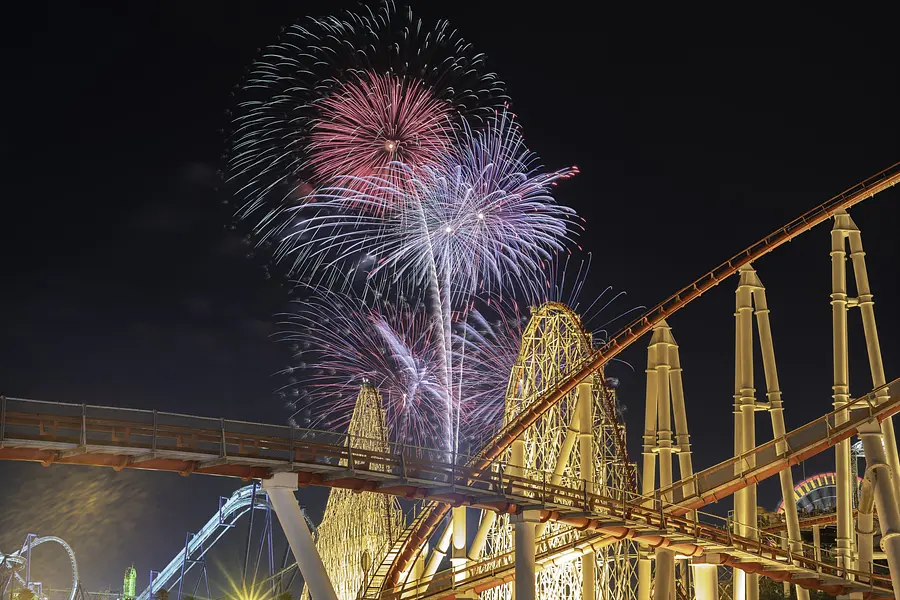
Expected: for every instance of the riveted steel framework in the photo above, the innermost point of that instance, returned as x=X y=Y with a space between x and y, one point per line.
x=358 y=523
x=553 y=342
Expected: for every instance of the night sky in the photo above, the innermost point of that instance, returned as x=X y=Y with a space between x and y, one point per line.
x=696 y=134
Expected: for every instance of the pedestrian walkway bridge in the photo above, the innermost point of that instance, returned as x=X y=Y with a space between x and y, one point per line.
x=50 y=433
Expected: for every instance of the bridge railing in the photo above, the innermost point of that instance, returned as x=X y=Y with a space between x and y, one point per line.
x=149 y=435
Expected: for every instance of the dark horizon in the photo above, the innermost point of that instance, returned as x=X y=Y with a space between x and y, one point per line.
x=696 y=134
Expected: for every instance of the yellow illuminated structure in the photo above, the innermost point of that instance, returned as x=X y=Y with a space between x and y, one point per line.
x=357 y=528
x=562 y=443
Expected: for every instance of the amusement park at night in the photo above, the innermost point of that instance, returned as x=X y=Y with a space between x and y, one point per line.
x=361 y=300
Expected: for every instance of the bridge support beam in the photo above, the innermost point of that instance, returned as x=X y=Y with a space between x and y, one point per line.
x=458 y=556
x=879 y=472
x=526 y=569
x=706 y=582
x=281 y=488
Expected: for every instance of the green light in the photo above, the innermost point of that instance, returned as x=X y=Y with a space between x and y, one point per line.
x=128 y=587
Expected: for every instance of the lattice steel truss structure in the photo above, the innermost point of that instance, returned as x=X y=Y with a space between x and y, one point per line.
x=356 y=524
x=554 y=342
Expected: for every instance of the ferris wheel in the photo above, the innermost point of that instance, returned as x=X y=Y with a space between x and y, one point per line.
x=15 y=568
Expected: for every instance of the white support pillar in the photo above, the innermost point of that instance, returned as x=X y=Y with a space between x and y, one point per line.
x=648 y=477
x=665 y=402
x=817 y=544
x=738 y=580
x=458 y=556
x=776 y=412
x=477 y=547
x=879 y=473
x=412 y=585
x=439 y=552
x=664 y=578
x=586 y=457
x=841 y=387
x=865 y=526
x=866 y=303
x=706 y=582
x=280 y=489
x=745 y=385
x=526 y=570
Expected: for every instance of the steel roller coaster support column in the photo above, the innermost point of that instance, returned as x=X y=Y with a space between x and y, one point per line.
x=706 y=582
x=458 y=556
x=586 y=457
x=665 y=400
x=844 y=231
x=526 y=569
x=879 y=472
x=749 y=281
x=865 y=526
x=281 y=488
x=745 y=510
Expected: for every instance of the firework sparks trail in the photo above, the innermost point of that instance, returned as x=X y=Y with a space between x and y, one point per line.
x=491 y=336
x=481 y=220
x=379 y=82
x=341 y=341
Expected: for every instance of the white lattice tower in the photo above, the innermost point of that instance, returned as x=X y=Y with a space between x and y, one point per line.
x=553 y=342
x=356 y=523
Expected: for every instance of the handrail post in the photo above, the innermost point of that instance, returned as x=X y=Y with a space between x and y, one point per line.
x=84 y=424
x=349 y=451
x=403 y=462
x=291 y=444
x=662 y=514
x=2 y=419
x=543 y=486
x=224 y=451
x=155 y=424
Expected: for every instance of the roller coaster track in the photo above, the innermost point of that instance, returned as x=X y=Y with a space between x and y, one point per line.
x=644 y=324
x=235 y=507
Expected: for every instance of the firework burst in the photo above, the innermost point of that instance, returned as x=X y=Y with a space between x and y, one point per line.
x=344 y=95
x=372 y=121
x=481 y=219
x=487 y=343
x=341 y=342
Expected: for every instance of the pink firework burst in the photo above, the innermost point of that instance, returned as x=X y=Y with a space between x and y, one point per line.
x=373 y=120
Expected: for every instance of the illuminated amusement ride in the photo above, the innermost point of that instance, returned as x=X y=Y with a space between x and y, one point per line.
x=559 y=508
